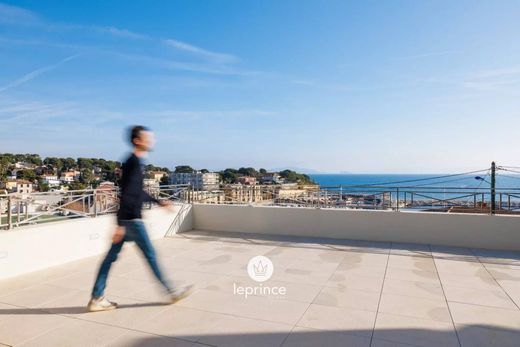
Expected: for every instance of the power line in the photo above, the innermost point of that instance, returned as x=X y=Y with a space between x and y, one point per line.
x=419 y=179
x=502 y=168
x=447 y=181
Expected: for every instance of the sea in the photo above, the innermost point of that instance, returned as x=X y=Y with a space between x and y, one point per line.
x=433 y=187
x=416 y=180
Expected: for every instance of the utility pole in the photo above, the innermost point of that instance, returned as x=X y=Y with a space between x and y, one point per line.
x=493 y=186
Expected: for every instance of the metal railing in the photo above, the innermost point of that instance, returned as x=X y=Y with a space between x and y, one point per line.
x=26 y=209
x=423 y=199
x=19 y=209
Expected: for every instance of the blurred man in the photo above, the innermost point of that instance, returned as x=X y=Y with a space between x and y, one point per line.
x=130 y=226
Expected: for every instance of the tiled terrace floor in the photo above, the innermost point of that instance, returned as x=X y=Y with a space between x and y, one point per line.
x=339 y=293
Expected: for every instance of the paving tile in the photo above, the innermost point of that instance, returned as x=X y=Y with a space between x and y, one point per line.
x=385 y=343
x=481 y=281
x=415 y=307
x=368 y=259
x=505 y=274
x=422 y=332
x=301 y=276
x=350 y=269
x=221 y=264
x=411 y=262
x=413 y=288
x=333 y=290
x=489 y=256
x=256 y=307
x=458 y=267
x=326 y=256
x=412 y=275
x=232 y=331
x=350 y=281
x=18 y=324
x=180 y=322
x=34 y=296
x=130 y=314
x=72 y=303
x=468 y=314
x=346 y=320
x=348 y=298
x=138 y=339
x=411 y=249
x=307 y=337
x=75 y=332
x=453 y=253
x=496 y=298
x=512 y=288
x=294 y=291
x=77 y=280
x=483 y=336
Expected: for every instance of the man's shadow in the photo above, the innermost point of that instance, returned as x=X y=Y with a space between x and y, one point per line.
x=70 y=309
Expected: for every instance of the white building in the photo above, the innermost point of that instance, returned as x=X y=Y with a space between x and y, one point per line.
x=272 y=178
x=68 y=177
x=51 y=180
x=198 y=180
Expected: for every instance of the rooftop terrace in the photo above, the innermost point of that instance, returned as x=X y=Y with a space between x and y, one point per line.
x=339 y=293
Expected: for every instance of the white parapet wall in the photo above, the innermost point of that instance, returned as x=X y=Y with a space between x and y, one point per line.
x=35 y=247
x=461 y=230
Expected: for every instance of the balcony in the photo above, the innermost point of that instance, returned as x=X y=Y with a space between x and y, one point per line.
x=351 y=278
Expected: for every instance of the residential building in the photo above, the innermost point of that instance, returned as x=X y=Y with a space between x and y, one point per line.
x=24 y=165
x=198 y=180
x=247 y=180
x=239 y=193
x=24 y=187
x=51 y=180
x=10 y=185
x=68 y=177
x=156 y=175
x=272 y=178
x=152 y=187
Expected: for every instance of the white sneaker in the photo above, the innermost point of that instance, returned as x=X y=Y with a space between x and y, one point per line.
x=100 y=304
x=180 y=293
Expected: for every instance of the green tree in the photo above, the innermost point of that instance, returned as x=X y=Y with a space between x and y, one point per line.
x=53 y=163
x=69 y=164
x=184 y=169
x=262 y=171
x=294 y=177
x=204 y=170
x=229 y=175
x=165 y=180
x=42 y=186
x=86 y=176
x=85 y=163
x=247 y=171
x=77 y=185
x=26 y=174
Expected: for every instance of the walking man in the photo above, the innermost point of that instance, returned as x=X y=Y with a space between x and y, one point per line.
x=130 y=226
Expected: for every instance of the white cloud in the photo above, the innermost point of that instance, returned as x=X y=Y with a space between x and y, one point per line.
x=17 y=15
x=122 y=33
x=35 y=73
x=201 y=52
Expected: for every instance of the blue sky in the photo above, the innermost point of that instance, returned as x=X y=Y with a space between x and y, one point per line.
x=365 y=86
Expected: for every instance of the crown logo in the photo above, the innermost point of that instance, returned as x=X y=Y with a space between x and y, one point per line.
x=260 y=269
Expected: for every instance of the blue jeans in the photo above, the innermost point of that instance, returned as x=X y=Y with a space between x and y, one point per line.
x=134 y=231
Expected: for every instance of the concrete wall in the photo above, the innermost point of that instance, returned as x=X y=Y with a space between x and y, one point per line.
x=475 y=231
x=36 y=247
